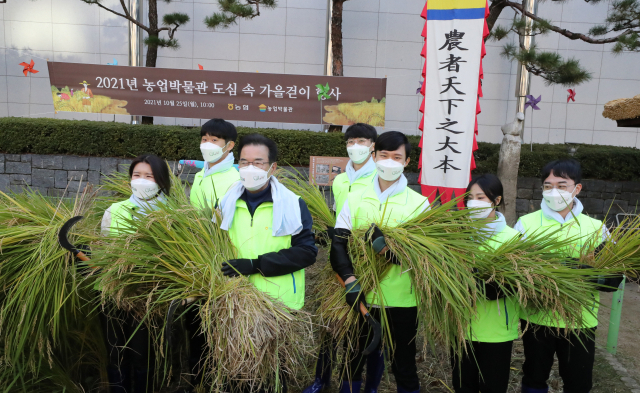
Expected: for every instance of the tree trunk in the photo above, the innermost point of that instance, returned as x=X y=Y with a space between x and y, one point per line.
x=336 y=38
x=152 y=50
x=336 y=46
x=508 y=164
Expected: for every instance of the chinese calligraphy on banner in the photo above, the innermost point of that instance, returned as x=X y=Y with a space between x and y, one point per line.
x=200 y=94
x=453 y=52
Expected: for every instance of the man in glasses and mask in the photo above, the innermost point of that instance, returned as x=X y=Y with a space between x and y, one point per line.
x=562 y=214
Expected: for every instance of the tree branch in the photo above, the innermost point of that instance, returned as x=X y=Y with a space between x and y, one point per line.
x=124 y=7
x=495 y=9
x=569 y=34
x=127 y=16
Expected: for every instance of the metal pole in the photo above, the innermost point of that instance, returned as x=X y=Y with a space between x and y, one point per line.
x=135 y=42
x=614 y=320
x=526 y=41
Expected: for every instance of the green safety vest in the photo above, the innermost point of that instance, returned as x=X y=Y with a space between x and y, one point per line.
x=583 y=229
x=496 y=321
x=206 y=192
x=395 y=286
x=342 y=188
x=120 y=212
x=252 y=236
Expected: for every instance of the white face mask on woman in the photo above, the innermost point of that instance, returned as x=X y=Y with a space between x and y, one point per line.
x=253 y=178
x=481 y=209
x=144 y=189
x=211 y=152
x=359 y=153
x=558 y=200
x=389 y=169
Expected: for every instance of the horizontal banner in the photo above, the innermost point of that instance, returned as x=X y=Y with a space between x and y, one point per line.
x=244 y=96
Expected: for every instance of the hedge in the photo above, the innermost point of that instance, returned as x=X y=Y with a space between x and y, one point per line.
x=110 y=139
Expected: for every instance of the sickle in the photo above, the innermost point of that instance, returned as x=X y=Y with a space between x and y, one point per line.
x=375 y=325
x=64 y=242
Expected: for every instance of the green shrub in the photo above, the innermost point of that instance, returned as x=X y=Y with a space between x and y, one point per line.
x=107 y=139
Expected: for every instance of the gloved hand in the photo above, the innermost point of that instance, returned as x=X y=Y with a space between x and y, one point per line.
x=236 y=267
x=375 y=237
x=492 y=290
x=323 y=238
x=608 y=283
x=86 y=250
x=354 y=295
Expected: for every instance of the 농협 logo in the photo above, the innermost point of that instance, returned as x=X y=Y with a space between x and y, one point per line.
x=263 y=108
x=230 y=107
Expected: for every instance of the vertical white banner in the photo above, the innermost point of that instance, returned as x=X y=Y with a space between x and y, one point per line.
x=453 y=55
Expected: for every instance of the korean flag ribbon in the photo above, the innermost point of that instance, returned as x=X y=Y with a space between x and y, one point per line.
x=453 y=51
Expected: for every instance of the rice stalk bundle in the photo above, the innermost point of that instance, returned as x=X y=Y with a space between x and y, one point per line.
x=315 y=199
x=441 y=250
x=175 y=253
x=47 y=329
x=621 y=251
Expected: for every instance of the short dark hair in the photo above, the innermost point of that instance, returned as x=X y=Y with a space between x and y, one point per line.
x=361 y=130
x=260 y=140
x=490 y=185
x=219 y=128
x=392 y=140
x=159 y=168
x=567 y=168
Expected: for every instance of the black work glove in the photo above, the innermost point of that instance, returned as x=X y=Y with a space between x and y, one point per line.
x=237 y=267
x=492 y=291
x=323 y=238
x=608 y=283
x=375 y=237
x=605 y=283
x=354 y=295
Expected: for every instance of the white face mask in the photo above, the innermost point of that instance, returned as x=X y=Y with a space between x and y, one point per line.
x=389 y=169
x=211 y=152
x=481 y=209
x=253 y=178
x=144 y=189
x=557 y=200
x=359 y=153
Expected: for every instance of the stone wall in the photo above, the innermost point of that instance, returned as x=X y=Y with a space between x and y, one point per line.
x=51 y=175
x=599 y=197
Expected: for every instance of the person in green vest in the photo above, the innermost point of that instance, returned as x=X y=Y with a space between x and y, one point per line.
x=217 y=139
x=544 y=334
x=485 y=366
x=126 y=340
x=388 y=193
x=360 y=139
x=270 y=226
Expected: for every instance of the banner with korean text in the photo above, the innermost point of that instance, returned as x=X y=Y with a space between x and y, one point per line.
x=199 y=94
x=454 y=46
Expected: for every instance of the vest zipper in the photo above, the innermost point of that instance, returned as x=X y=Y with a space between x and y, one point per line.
x=505 y=311
x=349 y=187
x=294 y=282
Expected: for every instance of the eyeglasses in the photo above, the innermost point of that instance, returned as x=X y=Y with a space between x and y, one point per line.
x=260 y=163
x=561 y=187
x=360 y=141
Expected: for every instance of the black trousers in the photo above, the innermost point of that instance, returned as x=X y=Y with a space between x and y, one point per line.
x=403 y=322
x=485 y=368
x=576 y=353
x=131 y=357
x=197 y=343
